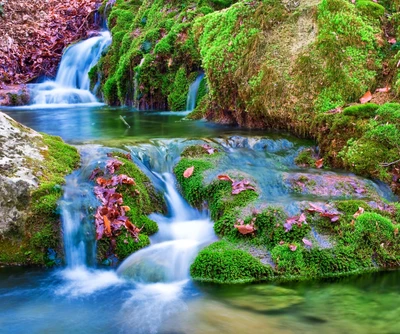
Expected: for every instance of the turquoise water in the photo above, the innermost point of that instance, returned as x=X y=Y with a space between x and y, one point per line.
x=87 y=300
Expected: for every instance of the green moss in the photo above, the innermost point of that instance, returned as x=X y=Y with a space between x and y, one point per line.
x=192 y=188
x=126 y=245
x=361 y=110
x=288 y=262
x=178 y=96
x=350 y=207
x=223 y=263
x=305 y=158
x=40 y=237
x=370 y=8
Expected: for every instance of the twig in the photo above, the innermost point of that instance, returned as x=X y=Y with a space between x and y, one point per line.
x=387 y=164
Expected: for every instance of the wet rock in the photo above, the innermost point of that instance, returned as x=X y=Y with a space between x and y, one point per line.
x=19 y=159
x=16 y=95
x=330 y=185
x=264 y=298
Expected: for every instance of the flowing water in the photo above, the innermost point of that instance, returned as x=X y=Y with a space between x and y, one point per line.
x=72 y=85
x=151 y=291
x=193 y=91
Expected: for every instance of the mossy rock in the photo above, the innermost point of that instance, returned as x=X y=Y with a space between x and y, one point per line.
x=38 y=240
x=222 y=263
x=367 y=110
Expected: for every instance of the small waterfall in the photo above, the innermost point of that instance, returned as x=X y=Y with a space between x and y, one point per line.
x=77 y=208
x=72 y=85
x=181 y=234
x=192 y=95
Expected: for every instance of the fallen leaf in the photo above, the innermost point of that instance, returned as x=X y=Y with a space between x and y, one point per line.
x=307 y=242
x=366 y=97
x=188 y=172
x=319 y=163
x=224 y=177
x=245 y=229
x=292 y=247
x=359 y=212
x=107 y=225
x=383 y=90
x=392 y=41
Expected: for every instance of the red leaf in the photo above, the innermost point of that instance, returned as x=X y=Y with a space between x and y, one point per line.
x=319 y=163
x=315 y=208
x=107 y=225
x=188 y=172
x=245 y=229
x=224 y=177
x=366 y=98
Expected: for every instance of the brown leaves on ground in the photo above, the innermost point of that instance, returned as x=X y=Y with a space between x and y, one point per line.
x=188 y=172
x=237 y=186
x=332 y=215
x=296 y=220
x=245 y=228
x=111 y=215
x=34 y=33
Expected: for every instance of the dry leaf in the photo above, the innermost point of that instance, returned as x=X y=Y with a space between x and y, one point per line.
x=319 y=163
x=383 y=90
x=359 y=212
x=188 y=172
x=366 y=98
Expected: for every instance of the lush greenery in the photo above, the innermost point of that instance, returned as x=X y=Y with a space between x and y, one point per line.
x=38 y=242
x=360 y=240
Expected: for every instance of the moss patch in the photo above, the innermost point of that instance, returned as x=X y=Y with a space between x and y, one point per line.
x=40 y=236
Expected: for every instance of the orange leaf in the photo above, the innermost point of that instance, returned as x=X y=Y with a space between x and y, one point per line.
x=366 y=98
x=107 y=224
x=126 y=208
x=383 y=90
x=188 y=172
x=359 y=212
x=319 y=163
x=224 y=177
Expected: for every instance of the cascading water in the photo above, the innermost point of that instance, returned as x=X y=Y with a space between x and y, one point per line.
x=192 y=94
x=181 y=233
x=72 y=84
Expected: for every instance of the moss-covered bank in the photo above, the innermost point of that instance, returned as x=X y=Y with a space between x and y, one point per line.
x=341 y=238
x=268 y=64
x=35 y=237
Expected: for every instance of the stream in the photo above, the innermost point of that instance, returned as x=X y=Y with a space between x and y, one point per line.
x=151 y=291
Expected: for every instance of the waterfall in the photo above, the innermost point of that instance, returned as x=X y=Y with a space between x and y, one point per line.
x=72 y=85
x=181 y=234
x=77 y=208
x=192 y=94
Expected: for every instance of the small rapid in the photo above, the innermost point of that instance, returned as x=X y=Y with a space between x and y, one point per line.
x=72 y=84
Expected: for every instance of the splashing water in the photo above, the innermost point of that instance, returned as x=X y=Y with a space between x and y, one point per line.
x=72 y=83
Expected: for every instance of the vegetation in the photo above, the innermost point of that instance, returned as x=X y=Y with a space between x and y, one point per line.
x=357 y=237
x=38 y=242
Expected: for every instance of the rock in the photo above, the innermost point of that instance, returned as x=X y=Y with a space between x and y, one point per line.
x=31 y=167
x=263 y=298
x=19 y=156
